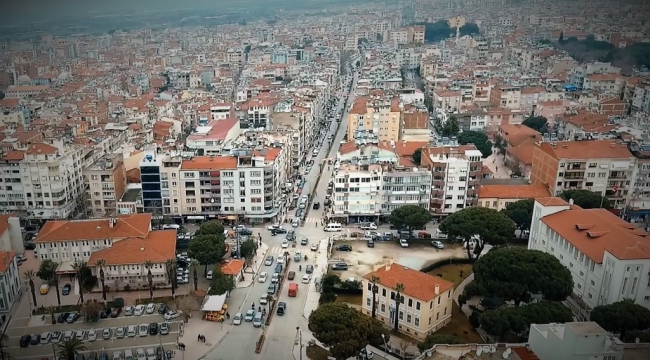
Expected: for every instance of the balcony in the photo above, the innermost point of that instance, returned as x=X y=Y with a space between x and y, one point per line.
x=575 y=176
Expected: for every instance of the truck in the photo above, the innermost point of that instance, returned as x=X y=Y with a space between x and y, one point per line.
x=293 y=290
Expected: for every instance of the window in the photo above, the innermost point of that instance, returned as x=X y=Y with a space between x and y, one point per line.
x=410 y=303
x=408 y=318
x=383 y=308
x=417 y=306
x=417 y=321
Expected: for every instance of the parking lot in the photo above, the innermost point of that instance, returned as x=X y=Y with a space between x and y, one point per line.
x=362 y=258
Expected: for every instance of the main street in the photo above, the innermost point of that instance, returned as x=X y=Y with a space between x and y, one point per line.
x=281 y=334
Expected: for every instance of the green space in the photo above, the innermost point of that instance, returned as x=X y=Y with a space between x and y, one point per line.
x=455 y=273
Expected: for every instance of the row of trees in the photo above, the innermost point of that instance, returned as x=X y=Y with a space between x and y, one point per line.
x=441 y=30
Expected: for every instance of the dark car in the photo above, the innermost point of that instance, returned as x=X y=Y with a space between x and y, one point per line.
x=73 y=317
x=371 y=243
x=344 y=248
x=278 y=231
x=162 y=309
x=153 y=329
x=278 y=268
x=309 y=269
x=245 y=232
x=115 y=312
x=105 y=313
x=29 y=237
x=292 y=275
x=62 y=317
x=282 y=307
x=339 y=266
x=271 y=290
x=66 y=289
x=25 y=340
x=29 y=245
x=36 y=339
x=316 y=206
x=291 y=235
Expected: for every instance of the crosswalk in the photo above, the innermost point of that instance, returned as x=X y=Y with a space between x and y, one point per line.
x=312 y=220
x=278 y=250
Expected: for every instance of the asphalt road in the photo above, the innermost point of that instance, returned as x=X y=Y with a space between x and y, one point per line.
x=281 y=334
x=113 y=344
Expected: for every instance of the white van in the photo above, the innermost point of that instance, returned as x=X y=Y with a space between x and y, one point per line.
x=128 y=354
x=440 y=235
x=210 y=273
x=333 y=227
x=171 y=226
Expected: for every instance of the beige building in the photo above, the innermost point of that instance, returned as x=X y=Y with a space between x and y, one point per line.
x=498 y=197
x=106 y=181
x=424 y=304
x=375 y=117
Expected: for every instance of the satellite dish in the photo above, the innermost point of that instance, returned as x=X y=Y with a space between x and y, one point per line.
x=486 y=349
x=479 y=351
x=509 y=351
x=493 y=349
x=505 y=355
x=637 y=340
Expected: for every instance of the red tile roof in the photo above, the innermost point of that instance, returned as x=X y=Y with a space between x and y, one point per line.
x=6 y=257
x=157 y=246
x=233 y=267
x=417 y=284
x=134 y=225
x=513 y=191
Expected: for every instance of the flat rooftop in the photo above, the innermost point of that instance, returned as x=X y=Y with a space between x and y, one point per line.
x=131 y=195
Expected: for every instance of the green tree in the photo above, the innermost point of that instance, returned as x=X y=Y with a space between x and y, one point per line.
x=469 y=29
x=212 y=227
x=69 y=349
x=561 y=39
x=514 y=274
x=451 y=127
x=195 y=276
x=399 y=289
x=502 y=321
x=586 y=199
x=170 y=269
x=100 y=263
x=409 y=217
x=479 y=139
x=521 y=212
x=344 y=330
x=374 y=281
x=483 y=225
x=81 y=273
x=221 y=283
x=207 y=249
x=621 y=317
x=149 y=265
x=434 y=339
x=248 y=249
x=91 y=310
x=537 y=123
x=30 y=275
x=47 y=273
x=417 y=156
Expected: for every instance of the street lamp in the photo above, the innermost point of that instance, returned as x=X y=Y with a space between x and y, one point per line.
x=383 y=337
x=299 y=335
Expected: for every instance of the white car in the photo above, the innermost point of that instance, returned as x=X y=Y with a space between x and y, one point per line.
x=314 y=247
x=132 y=331
x=237 y=319
x=80 y=334
x=139 y=310
x=281 y=260
x=151 y=354
x=285 y=244
x=275 y=278
x=273 y=227
x=92 y=335
x=143 y=330
x=151 y=308
x=262 y=277
x=173 y=314
x=306 y=278
x=437 y=244
x=403 y=243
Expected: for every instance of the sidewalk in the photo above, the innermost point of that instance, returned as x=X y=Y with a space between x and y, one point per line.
x=320 y=269
x=249 y=274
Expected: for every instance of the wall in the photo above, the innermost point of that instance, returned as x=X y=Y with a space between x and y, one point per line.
x=132 y=161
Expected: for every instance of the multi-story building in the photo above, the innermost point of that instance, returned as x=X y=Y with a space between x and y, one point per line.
x=106 y=181
x=575 y=340
x=126 y=243
x=456 y=174
x=11 y=237
x=506 y=96
x=150 y=177
x=603 y=166
x=424 y=305
x=377 y=117
x=639 y=207
x=607 y=256
x=10 y=283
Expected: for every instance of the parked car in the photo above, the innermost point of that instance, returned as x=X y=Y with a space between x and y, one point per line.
x=250 y=314
x=292 y=275
x=25 y=340
x=365 y=354
x=107 y=333
x=120 y=332
x=92 y=335
x=143 y=329
x=275 y=278
x=282 y=307
x=344 y=248
x=66 y=289
x=128 y=310
x=164 y=328
x=62 y=318
x=309 y=269
x=339 y=266
x=56 y=337
x=115 y=312
x=162 y=309
x=153 y=329
x=271 y=290
x=151 y=308
x=36 y=339
x=437 y=244
x=139 y=310
x=237 y=319
x=72 y=318
x=173 y=314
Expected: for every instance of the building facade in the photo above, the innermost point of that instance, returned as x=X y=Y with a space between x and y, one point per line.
x=10 y=285
x=106 y=182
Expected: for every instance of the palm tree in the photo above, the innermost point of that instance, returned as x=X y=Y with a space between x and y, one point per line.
x=374 y=280
x=69 y=349
x=195 y=264
x=399 y=288
x=30 y=275
x=101 y=263
x=149 y=265
x=170 y=268
x=81 y=269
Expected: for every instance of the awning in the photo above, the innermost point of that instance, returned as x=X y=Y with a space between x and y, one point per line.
x=196 y=218
x=214 y=303
x=231 y=217
x=65 y=267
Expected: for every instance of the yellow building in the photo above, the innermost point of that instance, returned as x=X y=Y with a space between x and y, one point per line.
x=377 y=115
x=498 y=197
x=425 y=301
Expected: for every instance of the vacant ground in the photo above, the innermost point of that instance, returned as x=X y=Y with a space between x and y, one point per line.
x=455 y=273
x=460 y=327
x=315 y=352
x=349 y=299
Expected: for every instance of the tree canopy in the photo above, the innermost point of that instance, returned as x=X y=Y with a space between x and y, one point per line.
x=451 y=127
x=213 y=227
x=344 y=330
x=248 y=249
x=521 y=212
x=503 y=320
x=47 y=270
x=207 y=249
x=417 y=156
x=434 y=339
x=586 y=199
x=469 y=29
x=440 y=30
x=514 y=273
x=621 y=317
x=538 y=123
x=221 y=283
x=485 y=225
x=409 y=216
x=479 y=139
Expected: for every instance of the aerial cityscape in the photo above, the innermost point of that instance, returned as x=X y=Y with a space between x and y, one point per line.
x=331 y=180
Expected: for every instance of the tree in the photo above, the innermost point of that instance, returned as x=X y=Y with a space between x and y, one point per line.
x=207 y=249
x=344 y=330
x=503 y=320
x=451 y=127
x=374 y=280
x=521 y=213
x=221 y=283
x=247 y=249
x=434 y=339
x=149 y=265
x=514 y=273
x=469 y=29
x=212 y=227
x=417 y=156
x=480 y=225
x=170 y=270
x=586 y=199
x=81 y=270
x=195 y=264
x=561 y=39
x=69 y=349
x=30 y=275
x=187 y=304
x=100 y=263
x=47 y=273
x=399 y=289
x=91 y=310
x=479 y=139
x=409 y=217
x=537 y=123
x=621 y=317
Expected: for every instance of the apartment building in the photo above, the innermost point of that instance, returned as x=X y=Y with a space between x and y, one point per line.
x=10 y=284
x=608 y=257
x=150 y=178
x=375 y=117
x=575 y=340
x=106 y=183
x=456 y=174
x=506 y=96
x=424 y=305
x=639 y=206
x=11 y=237
x=580 y=74
x=125 y=243
x=498 y=197
x=602 y=166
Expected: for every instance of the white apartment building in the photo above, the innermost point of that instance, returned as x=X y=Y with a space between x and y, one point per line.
x=10 y=283
x=575 y=340
x=608 y=257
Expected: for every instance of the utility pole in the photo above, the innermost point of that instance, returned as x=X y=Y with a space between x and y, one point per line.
x=299 y=334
